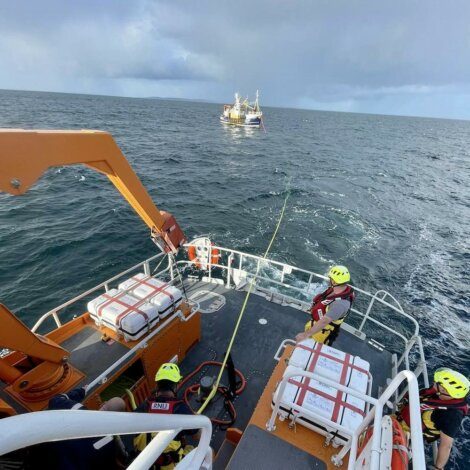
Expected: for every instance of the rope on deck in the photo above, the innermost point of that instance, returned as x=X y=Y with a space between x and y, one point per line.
x=245 y=302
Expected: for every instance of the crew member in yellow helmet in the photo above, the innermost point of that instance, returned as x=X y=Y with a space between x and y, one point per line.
x=330 y=308
x=443 y=407
x=164 y=400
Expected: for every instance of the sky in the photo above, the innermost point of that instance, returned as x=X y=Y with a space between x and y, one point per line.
x=402 y=57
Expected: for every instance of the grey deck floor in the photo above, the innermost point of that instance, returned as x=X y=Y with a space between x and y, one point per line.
x=90 y=355
x=255 y=346
x=258 y=449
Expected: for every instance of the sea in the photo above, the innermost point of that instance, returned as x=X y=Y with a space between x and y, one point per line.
x=387 y=196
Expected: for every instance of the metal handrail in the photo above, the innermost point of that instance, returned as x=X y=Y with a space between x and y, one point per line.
x=408 y=342
x=375 y=413
x=59 y=425
x=103 y=377
x=54 y=312
x=379 y=296
x=374 y=297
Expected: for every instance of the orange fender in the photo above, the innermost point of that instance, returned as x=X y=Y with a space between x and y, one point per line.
x=400 y=456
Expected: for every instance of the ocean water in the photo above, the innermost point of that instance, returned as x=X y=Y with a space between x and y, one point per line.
x=387 y=196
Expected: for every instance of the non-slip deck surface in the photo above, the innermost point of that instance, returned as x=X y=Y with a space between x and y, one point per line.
x=90 y=355
x=253 y=350
x=259 y=449
x=255 y=346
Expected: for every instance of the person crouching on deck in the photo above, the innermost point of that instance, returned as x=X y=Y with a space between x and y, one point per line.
x=443 y=407
x=164 y=401
x=330 y=308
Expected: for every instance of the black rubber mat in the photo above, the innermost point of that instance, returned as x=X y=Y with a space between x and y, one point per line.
x=256 y=445
x=224 y=455
x=90 y=355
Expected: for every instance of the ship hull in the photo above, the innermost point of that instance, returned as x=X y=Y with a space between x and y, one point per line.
x=240 y=122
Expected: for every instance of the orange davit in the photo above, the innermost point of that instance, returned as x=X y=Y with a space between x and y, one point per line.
x=38 y=368
x=26 y=154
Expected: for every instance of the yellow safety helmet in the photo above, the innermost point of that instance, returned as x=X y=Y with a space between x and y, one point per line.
x=168 y=371
x=455 y=384
x=339 y=274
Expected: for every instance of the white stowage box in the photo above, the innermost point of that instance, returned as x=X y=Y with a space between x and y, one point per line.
x=123 y=313
x=330 y=364
x=165 y=297
x=320 y=399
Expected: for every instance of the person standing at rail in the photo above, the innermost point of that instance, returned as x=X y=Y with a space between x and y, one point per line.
x=443 y=407
x=330 y=308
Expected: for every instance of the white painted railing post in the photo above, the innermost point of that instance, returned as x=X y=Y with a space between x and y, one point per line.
x=375 y=414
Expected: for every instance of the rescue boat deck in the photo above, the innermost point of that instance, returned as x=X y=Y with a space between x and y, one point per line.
x=265 y=325
x=256 y=345
x=91 y=355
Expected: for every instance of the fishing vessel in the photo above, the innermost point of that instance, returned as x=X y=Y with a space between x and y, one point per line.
x=242 y=113
x=228 y=319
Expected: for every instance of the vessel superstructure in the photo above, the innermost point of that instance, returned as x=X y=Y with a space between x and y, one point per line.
x=205 y=287
x=242 y=112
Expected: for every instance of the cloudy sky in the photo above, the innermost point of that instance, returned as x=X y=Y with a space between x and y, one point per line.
x=380 y=56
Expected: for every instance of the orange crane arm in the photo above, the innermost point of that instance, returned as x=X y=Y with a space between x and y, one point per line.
x=25 y=155
x=15 y=335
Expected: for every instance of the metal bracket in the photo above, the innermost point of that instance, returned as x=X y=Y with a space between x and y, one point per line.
x=280 y=349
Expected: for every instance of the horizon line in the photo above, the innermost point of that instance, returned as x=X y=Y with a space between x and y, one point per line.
x=207 y=101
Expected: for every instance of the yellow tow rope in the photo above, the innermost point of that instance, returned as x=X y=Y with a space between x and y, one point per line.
x=242 y=311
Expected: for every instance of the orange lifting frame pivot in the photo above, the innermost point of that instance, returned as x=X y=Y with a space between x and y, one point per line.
x=25 y=155
x=15 y=335
x=37 y=368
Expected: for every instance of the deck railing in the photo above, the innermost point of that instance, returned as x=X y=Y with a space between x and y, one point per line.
x=244 y=266
x=375 y=414
x=57 y=311
x=45 y=426
x=280 y=285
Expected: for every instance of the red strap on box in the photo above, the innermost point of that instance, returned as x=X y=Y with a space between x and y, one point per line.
x=155 y=289
x=333 y=358
x=110 y=300
x=316 y=356
x=339 y=394
x=337 y=401
x=305 y=386
x=129 y=309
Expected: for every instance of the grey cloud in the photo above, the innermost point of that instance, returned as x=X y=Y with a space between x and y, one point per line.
x=296 y=52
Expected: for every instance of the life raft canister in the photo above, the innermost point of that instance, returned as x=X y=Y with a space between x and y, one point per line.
x=319 y=308
x=201 y=251
x=400 y=454
x=430 y=401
